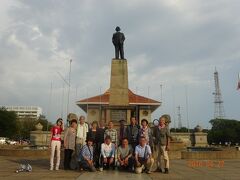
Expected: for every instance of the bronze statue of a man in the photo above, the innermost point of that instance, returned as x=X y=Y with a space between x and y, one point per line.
x=118 y=39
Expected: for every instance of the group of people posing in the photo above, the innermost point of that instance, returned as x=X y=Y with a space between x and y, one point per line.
x=130 y=148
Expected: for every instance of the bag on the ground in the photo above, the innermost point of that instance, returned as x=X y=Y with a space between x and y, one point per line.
x=24 y=168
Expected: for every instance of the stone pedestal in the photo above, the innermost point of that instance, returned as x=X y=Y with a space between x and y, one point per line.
x=183 y=137
x=119 y=83
x=200 y=139
x=41 y=138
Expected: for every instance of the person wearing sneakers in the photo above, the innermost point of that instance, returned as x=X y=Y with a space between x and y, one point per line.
x=107 y=154
x=143 y=157
x=161 y=136
x=55 y=143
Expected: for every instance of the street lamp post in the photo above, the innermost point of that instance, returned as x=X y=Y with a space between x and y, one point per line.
x=69 y=86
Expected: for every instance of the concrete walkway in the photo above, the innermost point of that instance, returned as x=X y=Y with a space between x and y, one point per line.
x=201 y=169
x=180 y=169
x=114 y=175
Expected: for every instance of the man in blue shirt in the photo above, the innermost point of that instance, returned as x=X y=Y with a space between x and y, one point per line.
x=143 y=157
x=86 y=156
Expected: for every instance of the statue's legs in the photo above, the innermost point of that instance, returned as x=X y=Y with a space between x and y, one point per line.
x=116 y=52
x=121 y=51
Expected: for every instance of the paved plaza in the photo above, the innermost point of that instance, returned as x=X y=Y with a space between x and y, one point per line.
x=180 y=169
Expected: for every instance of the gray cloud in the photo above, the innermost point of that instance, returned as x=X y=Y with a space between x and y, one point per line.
x=174 y=43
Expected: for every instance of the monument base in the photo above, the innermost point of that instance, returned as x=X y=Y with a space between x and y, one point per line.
x=118 y=102
x=119 y=83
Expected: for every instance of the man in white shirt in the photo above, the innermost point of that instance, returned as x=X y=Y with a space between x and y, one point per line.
x=143 y=156
x=82 y=130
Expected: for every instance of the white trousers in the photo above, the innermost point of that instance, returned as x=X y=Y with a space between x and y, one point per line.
x=55 y=145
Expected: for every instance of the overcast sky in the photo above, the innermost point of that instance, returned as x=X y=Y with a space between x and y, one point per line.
x=176 y=43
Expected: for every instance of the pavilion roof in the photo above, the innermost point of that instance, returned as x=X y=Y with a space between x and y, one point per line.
x=134 y=99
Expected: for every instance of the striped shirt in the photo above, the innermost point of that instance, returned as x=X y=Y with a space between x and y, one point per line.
x=113 y=134
x=86 y=153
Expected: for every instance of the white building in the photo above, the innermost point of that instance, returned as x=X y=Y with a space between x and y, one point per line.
x=32 y=112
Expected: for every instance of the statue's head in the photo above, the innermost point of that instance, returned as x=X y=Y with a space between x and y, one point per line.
x=118 y=28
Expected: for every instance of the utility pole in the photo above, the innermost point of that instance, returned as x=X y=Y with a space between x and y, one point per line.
x=179 y=117
x=187 y=112
x=49 y=107
x=69 y=85
x=161 y=86
x=100 y=106
x=62 y=101
x=68 y=82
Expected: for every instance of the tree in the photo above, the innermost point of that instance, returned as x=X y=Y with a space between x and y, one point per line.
x=46 y=125
x=183 y=129
x=7 y=123
x=224 y=130
x=25 y=126
x=12 y=127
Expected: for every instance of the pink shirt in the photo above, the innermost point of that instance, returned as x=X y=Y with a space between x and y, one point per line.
x=56 y=133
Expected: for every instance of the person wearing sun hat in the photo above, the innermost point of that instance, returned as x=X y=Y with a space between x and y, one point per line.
x=162 y=137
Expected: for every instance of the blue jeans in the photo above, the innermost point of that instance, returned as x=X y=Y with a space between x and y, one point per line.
x=84 y=164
